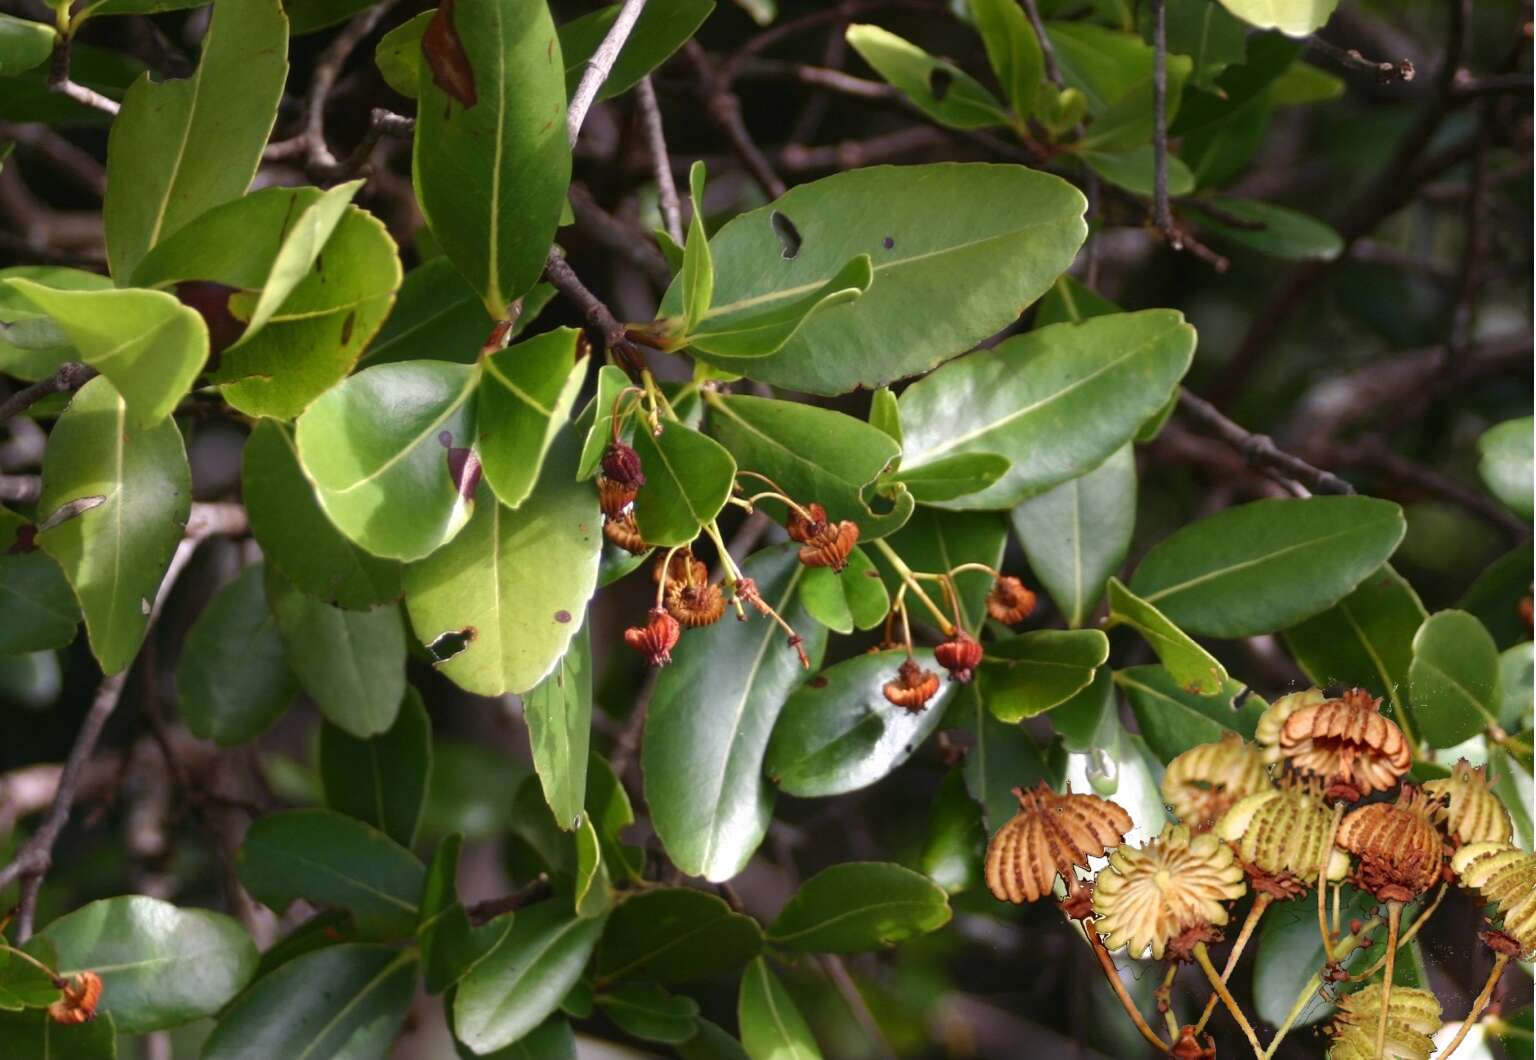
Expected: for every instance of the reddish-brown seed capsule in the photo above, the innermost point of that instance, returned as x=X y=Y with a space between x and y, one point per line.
x=1009 y=601
x=695 y=605
x=656 y=638
x=1048 y=836
x=803 y=528
x=960 y=655
x=1345 y=742
x=830 y=548
x=683 y=570
x=612 y=497
x=622 y=464
x=1191 y=1046
x=1399 y=847
x=912 y=687
x=78 y=1002
x=624 y=532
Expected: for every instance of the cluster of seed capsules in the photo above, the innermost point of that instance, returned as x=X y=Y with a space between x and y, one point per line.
x=1289 y=812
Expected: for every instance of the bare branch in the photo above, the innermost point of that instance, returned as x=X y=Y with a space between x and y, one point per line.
x=1351 y=59
x=70 y=376
x=560 y=274
x=1162 y=214
x=661 y=160
x=319 y=160
x=624 y=239
x=58 y=81
x=1259 y=450
x=725 y=110
x=599 y=66
x=1047 y=53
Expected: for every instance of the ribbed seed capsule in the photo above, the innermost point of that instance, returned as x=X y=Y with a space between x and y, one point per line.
x=831 y=547
x=1413 y=1016
x=78 y=1002
x=912 y=687
x=1473 y=812
x=1049 y=835
x=1506 y=877
x=625 y=533
x=613 y=497
x=1148 y=897
x=1281 y=836
x=695 y=606
x=1010 y=601
x=1207 y=780
x=683 y=569
x=1399 y=847
x=1346 y=742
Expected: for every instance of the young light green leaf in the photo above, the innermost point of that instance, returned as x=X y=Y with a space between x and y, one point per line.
x=1505 y=463
x=525 y=398
x=593 y=895
x=883 y=414
x=675 y=935
x=492 y=116
x=381 y=781
x=398 y=54
x=1104 y=376
x=839 y=733
x=1076 y=535
x=651 y=1014
x=1295 y=18
x=758 y=330
x=698 y=270
x=233 y=679
x=939 y=89
x=1195 y=669
x=1274 y=230
x=951 y=477
x=1027 y=675
x=1516 y=689
x=114 y=504
x=1454 y=678
x=302 y=244
x=1264 y=566
x=146 y=342
x=32 y=346
x=160 y=966
x=771 y=1026
x=859 y=905
x=558 y=711
x=659 y=31
x=855 y=598
x=688 y=477
x=179 y=148
x=24 y=44
x=611 y=381
x=1013 y=51
x=1173 y=719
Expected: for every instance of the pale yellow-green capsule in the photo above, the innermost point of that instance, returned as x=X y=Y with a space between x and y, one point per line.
x=1267 y=735
x=1505 y=876
x=1412 y=1019
x=1283 y=834
x=1147 y=897
x=1207 y=780
x=1473 y=812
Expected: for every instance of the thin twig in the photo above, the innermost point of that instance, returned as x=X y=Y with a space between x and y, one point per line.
x=599 y=66
x=327 y=70
x=725 y=110
x=627 y=240
x=559 y=273
x=535 y=890
x=1259 y=449
x=1162 y=213
x=661 y=160
x=1350 y=59
x=58 y=81
x=70 y=376
x=1047 y=53
x=849 y=990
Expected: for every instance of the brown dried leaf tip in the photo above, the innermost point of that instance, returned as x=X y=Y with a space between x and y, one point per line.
x=823 y=543
x=1010 y=602
x=1399 y=848
x=625 y=533
x=656 y=639
x=78 y=1002
x=960 y=655
x=1345 y=742
x=1049 y=835
x=912 y=687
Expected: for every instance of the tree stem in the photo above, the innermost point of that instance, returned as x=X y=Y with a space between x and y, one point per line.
x=1203 y=958
x=1260 y=904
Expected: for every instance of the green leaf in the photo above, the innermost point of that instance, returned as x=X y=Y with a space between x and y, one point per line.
x=611 y=381
x=1132 y=169
x=388 y=453
x=35 y=1034
x=179 y=148
x=24 y=44
x=439 y=317
x=492 y=117
x=838 y=733
x=525 y=398
x=939 y=541
x=233 y=680
x=710 y=720
x=955 y=476
x=1205 y=32
x=351 y=663
x=114 y=504
x=1196 y=670
x=1256 y=568
x=1013 y=51
x=1285 y=234
x=1027 y=675
x=1497 y=594
x=558 y=711
x=1296 y=18
x=1453 y=680
x=711 y=1043
x=607 y=806
x=698 y=270
x=301 y=248
x=1172 y=719
x=1019 y=231
x=398 y=54
x=32 y=346
x=771 y=1026
x=1303 y=83
x=1081 y=720
x=160 y=966
x=859 y=905
x=1113 y=70
x=660 y=30
x=939 y=89
x=594 y=889
x=1002 y=758
x=688 y=476
x=651 y=1014
x=343 y=1001
x=1515 y=687
x=751 y=330
x=24 y=985
x=1365 y=641
x=510 y=591
x=854 y=598
x=675 y=935
x=295 y=535
x=816 y=455
x=40 y=608
x=1505 y=463
x=955 y=842
x=522 y=981
x=1071 y=301
x=1057 y=401
x=1290 y=951
x=883 y=414
x=324 y=856
x=1076 y=535
x=450 y=946
x=381 y=781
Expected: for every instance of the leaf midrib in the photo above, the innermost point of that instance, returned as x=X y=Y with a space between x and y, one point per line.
x=1246 y=564
x=840 y=917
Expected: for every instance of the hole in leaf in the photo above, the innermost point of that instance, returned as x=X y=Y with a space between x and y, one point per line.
x=789 y=235
x=939 y=80
x=446 y=645
x=464 y=470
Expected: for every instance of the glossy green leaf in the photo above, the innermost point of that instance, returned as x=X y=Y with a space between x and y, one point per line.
x=558 y=711
x=326 y=857
x=955 y=841
x=24 y=984
x=180 y=147
x=302 y=244
x=398 y=54
x=510 y=591
x=1290 y=951
x=1516 y=687
x=146 y=342
x=711 y=1043
x=1080 y=720
x=1264 y=566
x=1365 y=641
x=1013 y=51
x=854 y=598
x=1019 y=230
x=688 y=476
x=675 y=935
x=611 y=381
x=838 y=733
x=387 y=451
x=160 y=966
x=36 y=1034
x=351 y=663
x=1497 y=596
x=1002 y=758
x=24 y=44
x=381 y=781
x=772 y=1028
x=1057 y=401
x=31 y=344
x=115 y=501
x=233 y=679
x=450 y=945
x=295 y=535
x=1027 y=675
x=1172 y=719
x=938 y=88
x=955 y=476
x=346 y=1002
x=1105 y=65
x=438 y=316
x=1133 y=169
x=659 y=31
x=1196 y=670
x=1453 y=679
x=751 y=330
x=522 y=981
x=816 y=455
x=651 y=1014
x=939 y=541
x=1505 y=463
x=710 y=720
x=525 y=398
x=1297 y=18
x=1076 y=535
x=40 y=608
x=593 y=895
x=859 y=905
x=492 y=117
x=1285 y=234
x=698 y=270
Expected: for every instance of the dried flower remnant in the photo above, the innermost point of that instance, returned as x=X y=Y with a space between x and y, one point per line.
x=1010 y=602
x=1281 y=836
x=77 y=1004
x=625 y=533
x=656 y=639
x=1207 y=780
x=1506 y=877
x=622 y=464
x=1473 y=813
x=1050 y=835
x=805 y=524
x=695 y=606
x=960 y=655
x=1345 y=741
x=1168 y=891
x=1412 y=1017
x=1192 y=1045
x=614 y=499
x=912 y=687
x=1400 y=850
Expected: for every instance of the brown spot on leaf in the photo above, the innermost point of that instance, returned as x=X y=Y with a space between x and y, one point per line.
x=562 y=616
x=24 y=541
x=446 y=58
x=464 y=470
x=817 y=682
x=346 y=327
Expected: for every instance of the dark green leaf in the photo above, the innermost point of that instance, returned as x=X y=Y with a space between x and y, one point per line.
x=1285 y=234
x=40 y=609
x=35 y=1034
x=953 y=476
x=675 y=935
x=1081 y=719
x=1027 y=675
x=660 y=30
x=1002 y=758
x=711 y=1043
x=1069 y=301
x=854 y=598
x=939 y=89
x=1454 y=678
x=438 y=316
x=860 y=905
x=1496 y=597
x=525 y=398
x=1205 y=32
x=1506 y=463
x=381 y=781
x=550 y=1040
x=1515 y=687
x=1290 y=951
x=938 y=541
x=771 y=1026
x=955 y=842
x=688 y=476
x=1172 y=719
x=22 y=983
x=651 y=1014
x=558 y=711
x=450 y=946
x=1195 y=670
